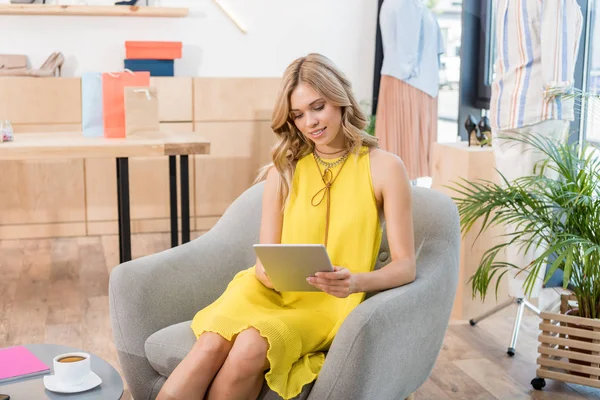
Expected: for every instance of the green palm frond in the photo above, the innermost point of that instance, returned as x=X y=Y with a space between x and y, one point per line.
x=558 y=217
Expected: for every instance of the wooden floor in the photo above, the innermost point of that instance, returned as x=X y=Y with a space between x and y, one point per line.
x=55 y=291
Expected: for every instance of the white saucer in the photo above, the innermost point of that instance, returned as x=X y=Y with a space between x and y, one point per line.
x=55 y=385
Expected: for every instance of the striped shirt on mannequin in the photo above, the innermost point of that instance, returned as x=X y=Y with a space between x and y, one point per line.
x=536 y=51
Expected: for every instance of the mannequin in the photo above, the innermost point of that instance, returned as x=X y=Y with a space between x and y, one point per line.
x=531 y=72
x=406 y=122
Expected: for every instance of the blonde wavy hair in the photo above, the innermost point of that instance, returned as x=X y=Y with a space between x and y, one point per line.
x=329 y=82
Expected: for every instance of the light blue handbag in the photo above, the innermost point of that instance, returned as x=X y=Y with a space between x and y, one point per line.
x=91 y=104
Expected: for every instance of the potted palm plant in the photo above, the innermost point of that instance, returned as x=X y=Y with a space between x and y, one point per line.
x=560 y=217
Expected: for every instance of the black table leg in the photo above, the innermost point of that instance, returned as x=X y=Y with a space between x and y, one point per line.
x=185 y=198
x=123 y=207
x=173 y=199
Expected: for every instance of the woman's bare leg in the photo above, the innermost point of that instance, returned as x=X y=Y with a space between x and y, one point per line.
x=192 y=377
x=243 y=372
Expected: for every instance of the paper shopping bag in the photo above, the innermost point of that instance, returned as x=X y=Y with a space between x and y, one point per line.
x=113 y=99
x=141 y=111
x=91 y=104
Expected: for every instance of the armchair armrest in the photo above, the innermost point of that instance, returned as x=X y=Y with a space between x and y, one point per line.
x=387 y=347
x=153 y=292
x=162 y=289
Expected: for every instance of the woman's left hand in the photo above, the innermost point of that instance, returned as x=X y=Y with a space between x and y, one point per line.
x=339 y=283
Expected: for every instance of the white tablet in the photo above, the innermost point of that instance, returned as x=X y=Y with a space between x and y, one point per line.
x=288 y=265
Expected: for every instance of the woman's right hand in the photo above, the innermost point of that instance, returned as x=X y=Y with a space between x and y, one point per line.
x=271 y=222
x=262 y=276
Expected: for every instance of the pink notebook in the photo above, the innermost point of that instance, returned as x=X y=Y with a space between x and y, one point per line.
x=18 y=362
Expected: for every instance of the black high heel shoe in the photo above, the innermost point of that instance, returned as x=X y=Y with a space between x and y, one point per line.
x=485 y=131
x=471 y=127
x=126 y=3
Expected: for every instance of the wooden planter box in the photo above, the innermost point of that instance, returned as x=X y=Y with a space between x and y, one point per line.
x=569 y=348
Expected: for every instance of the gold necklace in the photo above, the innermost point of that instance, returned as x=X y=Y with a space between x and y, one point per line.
x=334 y=152
x=325 y=192
x=330 y=165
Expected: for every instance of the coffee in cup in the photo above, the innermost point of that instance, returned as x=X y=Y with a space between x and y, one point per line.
x=72 y=368
x=70 y=359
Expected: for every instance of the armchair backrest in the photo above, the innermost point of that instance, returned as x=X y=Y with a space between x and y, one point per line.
x=435 y=219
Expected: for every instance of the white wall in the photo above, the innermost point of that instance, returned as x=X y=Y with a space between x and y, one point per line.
x=278 y=32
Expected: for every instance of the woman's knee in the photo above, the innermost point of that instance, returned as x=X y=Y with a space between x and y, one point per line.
x=213 y=345
x=249 y=353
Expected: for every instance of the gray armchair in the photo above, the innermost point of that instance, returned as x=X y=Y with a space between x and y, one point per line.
x=385 y=349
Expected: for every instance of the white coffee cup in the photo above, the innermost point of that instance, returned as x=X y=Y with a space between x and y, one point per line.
x=72 y=368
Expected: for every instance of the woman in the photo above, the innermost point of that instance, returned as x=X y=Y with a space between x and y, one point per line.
x=328 y=183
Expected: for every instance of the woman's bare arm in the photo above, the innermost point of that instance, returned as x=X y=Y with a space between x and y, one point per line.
x=392 y=186
x=393 y=191
x=271 y=220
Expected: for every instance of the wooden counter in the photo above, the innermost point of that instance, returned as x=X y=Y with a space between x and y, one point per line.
x=59 y=197
x=64 y=145
x=73 y=145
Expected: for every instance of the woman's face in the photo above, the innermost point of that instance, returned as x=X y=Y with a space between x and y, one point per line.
x=315 y=118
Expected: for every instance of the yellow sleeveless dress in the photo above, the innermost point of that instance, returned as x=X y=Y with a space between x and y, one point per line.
x=300 y=326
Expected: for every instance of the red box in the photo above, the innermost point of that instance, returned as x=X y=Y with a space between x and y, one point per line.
x=153 y=50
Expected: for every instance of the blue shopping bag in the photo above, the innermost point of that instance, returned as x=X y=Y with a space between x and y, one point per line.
x=91 y=104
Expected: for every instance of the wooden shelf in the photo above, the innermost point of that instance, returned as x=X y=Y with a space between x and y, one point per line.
x=107 y=11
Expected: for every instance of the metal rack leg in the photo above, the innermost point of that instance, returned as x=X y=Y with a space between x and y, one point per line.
x=123 y=209
x=185 y=198
x=516 y=327
x=532 y=307
x=173 y=200
x=492 y=311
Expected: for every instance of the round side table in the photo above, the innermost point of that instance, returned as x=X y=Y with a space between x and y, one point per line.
x=33 y=387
